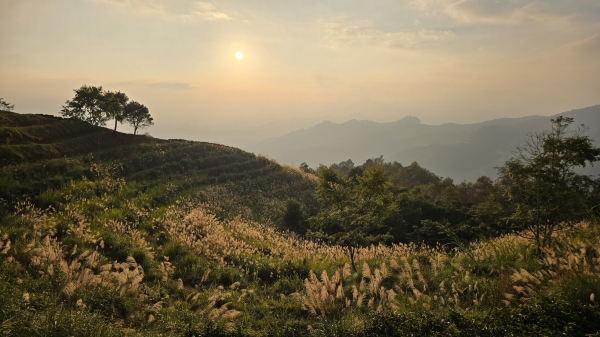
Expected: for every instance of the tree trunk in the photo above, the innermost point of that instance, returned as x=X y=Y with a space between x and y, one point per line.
x=114 y=132
x=134 y=130
x=538 y=240
x=351 y=253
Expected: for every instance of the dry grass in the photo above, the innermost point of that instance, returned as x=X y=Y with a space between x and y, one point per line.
x=393 y=278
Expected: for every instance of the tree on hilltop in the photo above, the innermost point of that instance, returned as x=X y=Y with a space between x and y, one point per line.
x=4 y=105
x=114 y=105
x=88 y=106
x=138 y=116
x=95 y=106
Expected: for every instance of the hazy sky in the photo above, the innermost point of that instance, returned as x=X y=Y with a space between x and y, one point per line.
x=440 y=60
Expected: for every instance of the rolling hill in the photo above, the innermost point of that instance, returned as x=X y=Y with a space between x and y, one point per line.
x=42 y=152
x=459 y=151
x=108 y=234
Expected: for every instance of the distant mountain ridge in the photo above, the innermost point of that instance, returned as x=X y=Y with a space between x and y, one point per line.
x=459 y=151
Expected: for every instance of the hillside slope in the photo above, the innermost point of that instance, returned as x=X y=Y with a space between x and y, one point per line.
x=114 y=235
x=462 y=152
x=39 y=152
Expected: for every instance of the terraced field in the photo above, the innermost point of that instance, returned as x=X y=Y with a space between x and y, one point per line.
x=40 y=152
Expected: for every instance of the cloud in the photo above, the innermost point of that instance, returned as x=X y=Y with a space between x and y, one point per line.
x=347 y=33
x=417 y=39
x=502 y=12
x=498 y=12
x=170 y=85
x=155 y=85
x=588 y=46
x=471 y=11
x=431 y=7
x=137 y=6
x=208 y=11
x=179 y=10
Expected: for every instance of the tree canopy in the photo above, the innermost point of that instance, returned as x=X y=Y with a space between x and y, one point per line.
x=114 y=105
x=543 y=191
x=4 y=105
x=88 y=105
x=353 y=213
x=138 y=116
x=96 y=106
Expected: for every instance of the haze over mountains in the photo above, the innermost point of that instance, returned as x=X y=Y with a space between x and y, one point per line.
x=459 y=151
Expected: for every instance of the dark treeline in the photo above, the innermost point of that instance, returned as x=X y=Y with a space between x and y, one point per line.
x=428 y=208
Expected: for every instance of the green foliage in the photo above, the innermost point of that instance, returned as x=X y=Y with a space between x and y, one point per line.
x=5 y=106
x=475 y=193
x=541 y=186
x=96 y=106
x=87 y=106
x=305 y=168
x=113 y=104
x=138 y=116
x=545 y=317
x=199 y=221
x=401 y=176
x=294 y=217
x=428 y=209
x=352 y=214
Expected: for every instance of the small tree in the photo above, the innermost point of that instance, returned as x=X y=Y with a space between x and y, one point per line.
x=294 y=217
x=5 y=105
x=115 y=106
x=112 y=107
x=353 y=215
x=137 y=116
x=87 y=106
x=541 y=185
x=304 y=167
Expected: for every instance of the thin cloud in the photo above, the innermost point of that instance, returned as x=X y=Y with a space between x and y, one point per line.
x=500 y=12
x=588 y=46
x=431 y=7
x=155 y=85
x=476 y=11
x=170 y=85
x=492 y=11
x=348 y=33
x=417 y=39
x=170 y=9
x=208 y=11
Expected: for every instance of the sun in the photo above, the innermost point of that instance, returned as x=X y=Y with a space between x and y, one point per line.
x=239 y=55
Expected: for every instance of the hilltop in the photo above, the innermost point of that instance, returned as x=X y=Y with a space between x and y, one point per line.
x=109 y=234
x=459 y=151
x=41 y=152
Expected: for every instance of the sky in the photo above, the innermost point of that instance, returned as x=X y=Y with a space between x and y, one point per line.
x=461 y=61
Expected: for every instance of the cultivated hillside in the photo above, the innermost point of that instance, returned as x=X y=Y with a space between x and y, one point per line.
x=462 y=152
x=106 y=234
x=39 y=152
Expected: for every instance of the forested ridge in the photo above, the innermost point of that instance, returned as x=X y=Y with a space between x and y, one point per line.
x=105 y=233
x=460 y=151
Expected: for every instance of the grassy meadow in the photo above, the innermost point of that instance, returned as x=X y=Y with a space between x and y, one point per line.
x=107 y=234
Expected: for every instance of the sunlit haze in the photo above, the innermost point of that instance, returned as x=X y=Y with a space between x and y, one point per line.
x=303 y=61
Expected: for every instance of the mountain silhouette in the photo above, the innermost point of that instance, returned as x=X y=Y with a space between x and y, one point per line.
x=459 y=151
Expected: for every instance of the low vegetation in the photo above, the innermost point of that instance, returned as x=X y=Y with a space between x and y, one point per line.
x=146 y=237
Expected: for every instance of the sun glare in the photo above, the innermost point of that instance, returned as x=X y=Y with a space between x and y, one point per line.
x=239 y=55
